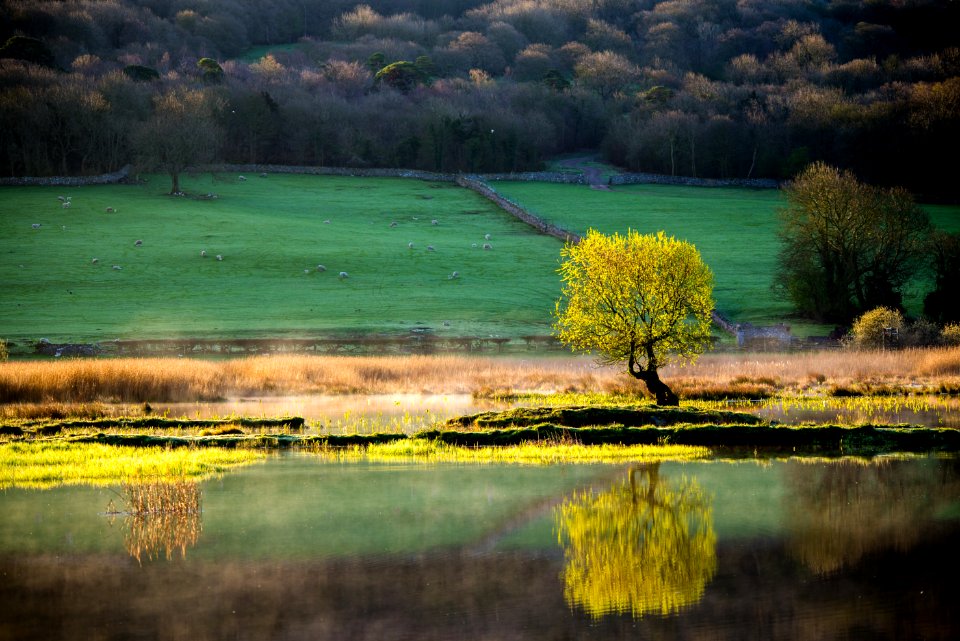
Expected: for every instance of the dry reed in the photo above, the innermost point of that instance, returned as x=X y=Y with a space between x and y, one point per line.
x=739 y=374
x=163 y=516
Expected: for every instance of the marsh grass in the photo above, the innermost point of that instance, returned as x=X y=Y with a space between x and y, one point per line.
x=545 y=452
x=161 y=516
x=714 y=376
x=45 y=464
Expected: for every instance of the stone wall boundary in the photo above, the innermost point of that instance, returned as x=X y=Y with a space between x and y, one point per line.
x=688 y=181
x=68 y=181
x=476 y=184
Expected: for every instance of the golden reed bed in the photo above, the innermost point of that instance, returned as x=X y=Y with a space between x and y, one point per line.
x=171 y=380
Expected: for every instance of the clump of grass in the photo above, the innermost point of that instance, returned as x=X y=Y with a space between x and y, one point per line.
x=44 y=464
x=57 y=410
x=173 y=496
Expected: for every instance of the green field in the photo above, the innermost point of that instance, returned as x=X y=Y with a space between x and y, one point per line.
x=734 y=229
x=272 y=233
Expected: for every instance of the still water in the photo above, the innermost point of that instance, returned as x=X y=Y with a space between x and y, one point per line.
x=297 y=548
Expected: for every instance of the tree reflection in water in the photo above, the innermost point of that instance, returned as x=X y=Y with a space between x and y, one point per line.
x=642 y=546
x=840 y=513
x=161 y=516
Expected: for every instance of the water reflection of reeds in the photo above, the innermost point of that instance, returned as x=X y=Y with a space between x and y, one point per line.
x=163 y=517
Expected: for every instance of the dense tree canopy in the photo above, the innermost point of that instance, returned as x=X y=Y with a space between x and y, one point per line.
x=848 y=247
x=711 y=89
x=641 y=299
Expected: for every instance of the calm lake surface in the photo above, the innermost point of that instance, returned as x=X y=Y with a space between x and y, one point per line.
x=299 y=548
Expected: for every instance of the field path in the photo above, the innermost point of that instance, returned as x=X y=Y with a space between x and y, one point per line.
x=593 y=175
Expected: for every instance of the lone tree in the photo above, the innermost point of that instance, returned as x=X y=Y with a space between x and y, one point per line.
x=847 y=247
x=643 y=299
x=183 y=131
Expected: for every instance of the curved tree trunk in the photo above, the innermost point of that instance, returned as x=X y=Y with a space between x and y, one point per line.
x=648 y=375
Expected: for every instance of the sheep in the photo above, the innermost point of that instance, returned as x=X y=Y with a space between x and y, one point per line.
x=95 y=261
x=66 y=205
x=430 y=248
x=321 y=268
x=326 y=222
x=110 y=210
x=138 y=243
x=474 y=245
x=61 y=199
x=241 y=178
x=219 y=256
x=344 y=275
x=486 y=236
x=203 y=253
x=263 y=175
x=487 y=246
x=434 y=222
x=35 y=225
x=410 y=245
x=393 y=224
x=454 y=275
x=117 y=267
x=306 y=271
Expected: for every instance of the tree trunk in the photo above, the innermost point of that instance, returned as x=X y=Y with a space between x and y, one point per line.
x=659 y=389
x=174 y=183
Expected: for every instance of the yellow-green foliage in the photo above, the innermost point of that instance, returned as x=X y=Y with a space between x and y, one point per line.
x=642 y=548
x=868 y=330
x=545 y=453
x=48 y=464
x=648 y=297
x=951 y=334
x=4 y=351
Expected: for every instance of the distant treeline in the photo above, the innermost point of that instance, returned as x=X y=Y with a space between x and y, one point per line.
x=706 y=88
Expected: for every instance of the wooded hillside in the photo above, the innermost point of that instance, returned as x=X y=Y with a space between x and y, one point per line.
x=753 y=88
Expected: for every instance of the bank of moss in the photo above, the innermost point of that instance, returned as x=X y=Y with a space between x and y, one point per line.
x=586 y=415
x=58 y=426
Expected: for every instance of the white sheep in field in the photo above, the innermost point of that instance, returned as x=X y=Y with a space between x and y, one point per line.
x=203 y=253
x=61 y=199
x=219 y=256
x=393 y=224
x=430 y=248
x=110 y=210
x=95 y=261
x=410 y=245
x=35 y=225
x=454 y=275
x=434 y=222
x=241 y=178
x=118 y=267
x=66 y=205
x=344 y=275
x=306 y=271
x=326 y=222
x=486 y=236
x=487 y=246
x=138 y=243
x=474 y=245
x=321 y=268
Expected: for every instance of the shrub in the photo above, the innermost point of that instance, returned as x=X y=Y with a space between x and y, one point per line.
x=951 y=334
x=880 y=327
x=4 y=351
x=921 y=333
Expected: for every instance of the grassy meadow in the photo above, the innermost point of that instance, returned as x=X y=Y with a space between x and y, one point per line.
x=734 y=229
x=272 y=234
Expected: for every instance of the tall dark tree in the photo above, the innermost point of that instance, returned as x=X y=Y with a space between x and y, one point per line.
x=943 y=303
x=847 y=247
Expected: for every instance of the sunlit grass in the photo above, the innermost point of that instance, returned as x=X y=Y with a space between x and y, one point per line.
x=63 y=384
x=52 y=463
x=541 y=453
